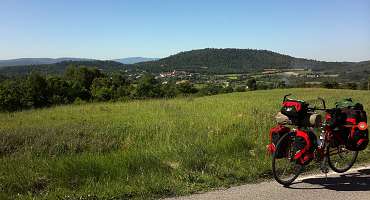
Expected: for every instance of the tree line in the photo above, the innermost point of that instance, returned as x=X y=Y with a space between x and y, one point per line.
x=82 y=84
x=349 y=85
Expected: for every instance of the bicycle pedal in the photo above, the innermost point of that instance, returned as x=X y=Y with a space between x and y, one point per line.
x=324 y=170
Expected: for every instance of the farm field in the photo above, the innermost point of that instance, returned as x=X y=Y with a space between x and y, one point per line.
x=144 y=149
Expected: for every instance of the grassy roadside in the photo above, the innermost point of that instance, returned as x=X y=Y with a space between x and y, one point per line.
x=143 y=149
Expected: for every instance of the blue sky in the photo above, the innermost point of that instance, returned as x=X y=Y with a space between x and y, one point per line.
x=106 y=29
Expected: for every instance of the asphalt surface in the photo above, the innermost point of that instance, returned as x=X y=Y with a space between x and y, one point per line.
x=354 y=184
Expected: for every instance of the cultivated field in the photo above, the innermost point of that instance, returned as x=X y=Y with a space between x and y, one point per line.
x=143 y=149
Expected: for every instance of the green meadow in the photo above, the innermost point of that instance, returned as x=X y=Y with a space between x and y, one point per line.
x=144 y=149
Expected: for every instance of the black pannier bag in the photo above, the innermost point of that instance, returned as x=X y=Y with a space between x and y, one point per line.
x=305 y=143
x=336 y=119
x=296 y=110
x=358 y=138
x=349 y=125
x=275 y=134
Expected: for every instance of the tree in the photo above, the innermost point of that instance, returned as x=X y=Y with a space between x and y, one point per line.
x=211 y=90
x=37 y=90
x=2 y=78
x=351 y=86
x=85 y=76
x=252 y=84
x=227 y=89
x=147 y=87
x=170 y=89
x=124 y=92
x=240 y=89
x=186 y=87
x=58 y=90
x=281 y=84
x=101 y=89
x=118 y=80
x=76 y=90
x=121 y=87
x=330 y=85
x=12 y=95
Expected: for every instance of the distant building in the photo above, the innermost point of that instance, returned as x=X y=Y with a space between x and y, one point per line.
x=313 y=83
x=174 y=73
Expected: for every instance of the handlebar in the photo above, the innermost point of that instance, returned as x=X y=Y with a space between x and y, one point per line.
x=314 y=108
x=285 y=97
x=323 y=102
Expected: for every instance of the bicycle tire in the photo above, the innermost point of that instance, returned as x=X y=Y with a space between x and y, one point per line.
x=347 y=166
x=275 y=170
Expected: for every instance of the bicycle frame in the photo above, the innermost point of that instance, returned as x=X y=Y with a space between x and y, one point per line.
x=329 y=146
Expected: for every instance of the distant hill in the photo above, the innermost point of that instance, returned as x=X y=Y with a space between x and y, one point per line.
x=58 y=68
x=36 y=61
x=233 y=61
x=134 y=60
x=220 y=61
x=216 y=61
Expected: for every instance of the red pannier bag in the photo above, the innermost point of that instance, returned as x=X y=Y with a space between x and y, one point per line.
x=344 y=124
x=358 y=138
x=305 y=143
x=275 y=134
x=337 y=120
x=295 y=110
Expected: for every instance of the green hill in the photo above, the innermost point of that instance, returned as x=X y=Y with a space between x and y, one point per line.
x=59 y=68
x=218 y=61
x=239 y=61
x=143 y=149
x=37 y=61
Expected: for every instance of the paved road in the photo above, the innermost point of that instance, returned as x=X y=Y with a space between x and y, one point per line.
x=352 y=185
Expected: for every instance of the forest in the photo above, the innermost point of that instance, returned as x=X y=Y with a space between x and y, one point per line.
x=209 y=61
x=80 y=84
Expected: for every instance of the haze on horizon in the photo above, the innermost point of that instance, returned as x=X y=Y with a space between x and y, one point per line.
x=322 y=30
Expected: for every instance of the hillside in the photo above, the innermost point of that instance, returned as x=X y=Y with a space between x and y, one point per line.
x=59 y=68
x=37 y=61
x=143 y=149
x=134 y=60
x=239 y=61
x=218 y=61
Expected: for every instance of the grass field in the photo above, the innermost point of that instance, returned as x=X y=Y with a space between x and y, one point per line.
x=143 y=149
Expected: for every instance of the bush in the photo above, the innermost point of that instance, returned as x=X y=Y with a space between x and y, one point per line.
x=169 y=89
x=12 y=96
x=211 y=90
x=37 y=90
x=252 y=84
x=351 y=86
x=240 y=89
x=101 y=89
x=186 y=87
x=330 y=85
x=227 y=89
x=148 y=87
x=58 y=90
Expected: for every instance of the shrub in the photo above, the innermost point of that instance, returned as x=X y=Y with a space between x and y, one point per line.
x=12 y=96
x=148 y=87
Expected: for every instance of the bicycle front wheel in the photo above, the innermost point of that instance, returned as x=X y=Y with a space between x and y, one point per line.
x=284 y=168
x=341 y=159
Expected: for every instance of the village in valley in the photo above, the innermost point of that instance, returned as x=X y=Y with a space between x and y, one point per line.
x=269 y=78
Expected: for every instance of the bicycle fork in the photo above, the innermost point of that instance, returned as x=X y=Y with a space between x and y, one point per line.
x=325 y=152
x=324 y=165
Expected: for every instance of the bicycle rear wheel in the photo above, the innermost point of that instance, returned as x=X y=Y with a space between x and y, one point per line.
x=284 y=168
x=341 y=159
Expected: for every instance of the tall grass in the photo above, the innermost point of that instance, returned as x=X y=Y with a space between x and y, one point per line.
x=143 y=149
